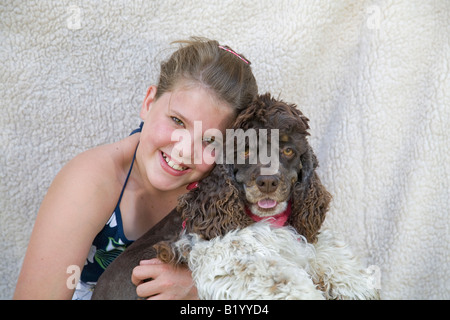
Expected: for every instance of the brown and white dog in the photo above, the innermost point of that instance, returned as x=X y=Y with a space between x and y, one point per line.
x=248 y=235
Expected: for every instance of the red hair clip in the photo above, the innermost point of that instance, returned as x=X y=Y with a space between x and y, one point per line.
x=233 y=52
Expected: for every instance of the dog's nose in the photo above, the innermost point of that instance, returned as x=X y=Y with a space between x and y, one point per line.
x=267 y=184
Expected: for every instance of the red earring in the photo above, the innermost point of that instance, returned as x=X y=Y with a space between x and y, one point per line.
x=192 y=185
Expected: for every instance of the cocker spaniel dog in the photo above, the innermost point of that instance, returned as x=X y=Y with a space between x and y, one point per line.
x=250 y=230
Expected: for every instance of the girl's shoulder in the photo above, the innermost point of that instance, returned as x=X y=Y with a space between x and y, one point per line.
x=88 y=186
x=102 y=169
x=106 y=163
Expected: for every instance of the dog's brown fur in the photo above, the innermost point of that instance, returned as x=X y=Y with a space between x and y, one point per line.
x=217 y=206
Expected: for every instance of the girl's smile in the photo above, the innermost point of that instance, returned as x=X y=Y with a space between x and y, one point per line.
x=171 y=167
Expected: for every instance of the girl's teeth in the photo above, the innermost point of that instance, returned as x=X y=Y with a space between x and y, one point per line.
x=173 y=165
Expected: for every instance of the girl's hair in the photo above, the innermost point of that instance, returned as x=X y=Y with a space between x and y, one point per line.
x=217 y=68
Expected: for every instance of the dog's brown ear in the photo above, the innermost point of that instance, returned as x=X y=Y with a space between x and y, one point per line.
x=215 y=207
x=310 y=199
x=166 y=254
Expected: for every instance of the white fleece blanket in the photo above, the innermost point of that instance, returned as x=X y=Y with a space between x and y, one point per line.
x=372 y=76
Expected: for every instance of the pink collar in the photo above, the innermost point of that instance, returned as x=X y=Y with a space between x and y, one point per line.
x=278 y=220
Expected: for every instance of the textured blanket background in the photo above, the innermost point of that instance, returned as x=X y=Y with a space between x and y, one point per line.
x=372 y=76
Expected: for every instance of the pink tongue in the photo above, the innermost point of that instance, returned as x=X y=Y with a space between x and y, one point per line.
x=267 y=203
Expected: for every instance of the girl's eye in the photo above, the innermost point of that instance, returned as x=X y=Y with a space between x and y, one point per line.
x=177 y=121
x=288 y=152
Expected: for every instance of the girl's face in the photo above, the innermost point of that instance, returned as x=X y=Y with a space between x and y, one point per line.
x=177 y=129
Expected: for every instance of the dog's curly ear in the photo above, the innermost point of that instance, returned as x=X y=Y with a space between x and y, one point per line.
x=216 y=206
x=166 y=253
x=310 y=199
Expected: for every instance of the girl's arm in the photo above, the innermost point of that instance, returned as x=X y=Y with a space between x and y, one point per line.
x=76 y=207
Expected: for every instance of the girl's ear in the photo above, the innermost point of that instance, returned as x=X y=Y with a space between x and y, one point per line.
x=149 y=99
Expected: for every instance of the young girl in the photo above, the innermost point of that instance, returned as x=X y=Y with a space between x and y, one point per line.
x=109 y=196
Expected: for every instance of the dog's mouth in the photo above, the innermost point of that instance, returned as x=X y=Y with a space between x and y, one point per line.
x=267 y=204
x=267 y=207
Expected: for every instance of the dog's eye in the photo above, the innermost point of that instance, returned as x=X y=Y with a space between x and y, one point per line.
x=209 y=140
x=246 y=152
x=288 y=152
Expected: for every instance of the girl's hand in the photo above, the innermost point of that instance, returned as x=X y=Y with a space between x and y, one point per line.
x=167 y=282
